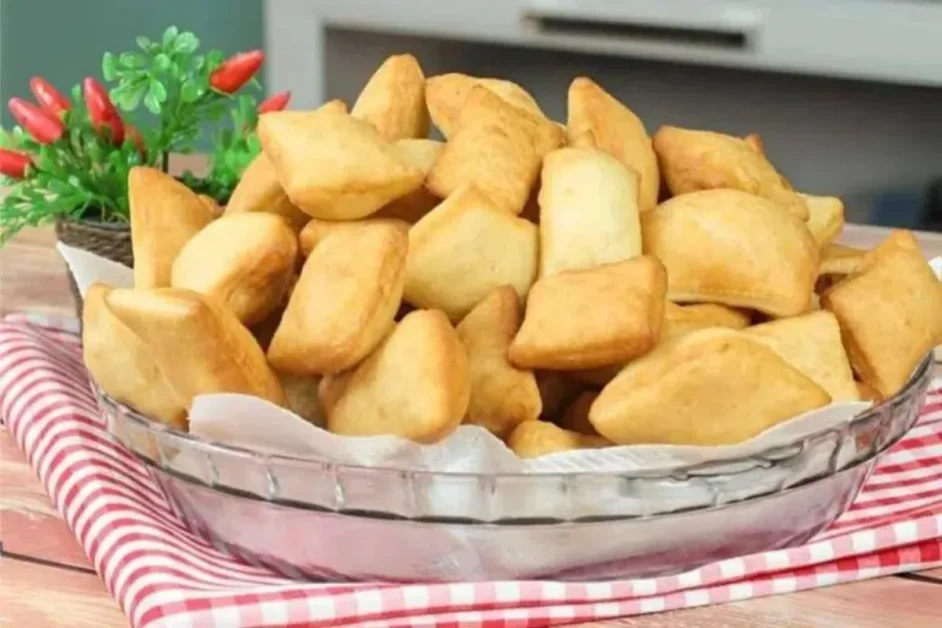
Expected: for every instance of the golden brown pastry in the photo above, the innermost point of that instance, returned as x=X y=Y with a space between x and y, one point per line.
x=840 y=260
x=422 y=154
x=345 y=300
x=702 y=160
x=576 y=417
x=867 y=393
x=588 y=211
x=214 y=209
x=415 y=385
x=812 y=344
x=598 y=119
x=502 y=396
x=122 y=364
x=446 y=95
x=199 y=345
x=465 y=248
x=683 y=319
x=164 y=215
x=710 y=387
x=540 y=438
x=246 y=261
x=332 y=165
x=825 y=217
x=890 y=312
x=497 y=148
x=316 y=230
x=582 y=319
x=259 y=191
x=734 y=248
x=393 y=100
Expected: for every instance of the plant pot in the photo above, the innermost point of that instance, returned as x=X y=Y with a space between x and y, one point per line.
x=110 y=240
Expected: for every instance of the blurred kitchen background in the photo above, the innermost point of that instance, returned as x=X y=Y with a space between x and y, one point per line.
x=846 y=94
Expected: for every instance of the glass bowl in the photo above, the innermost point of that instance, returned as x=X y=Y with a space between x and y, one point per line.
x=317 y=518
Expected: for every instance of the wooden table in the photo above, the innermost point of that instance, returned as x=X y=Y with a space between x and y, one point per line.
x=45 y=579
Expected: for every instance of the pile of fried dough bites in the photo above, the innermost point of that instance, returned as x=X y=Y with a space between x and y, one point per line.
x=564 y=286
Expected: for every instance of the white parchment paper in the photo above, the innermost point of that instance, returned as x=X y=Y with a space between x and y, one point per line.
x=255 y=424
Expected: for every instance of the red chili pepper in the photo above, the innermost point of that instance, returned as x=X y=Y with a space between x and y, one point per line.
x=137 y=138
x=236 y=71
x=101 y=111
x=275 y=102
x=42 y=125
x=13 y=164
x=48 y=96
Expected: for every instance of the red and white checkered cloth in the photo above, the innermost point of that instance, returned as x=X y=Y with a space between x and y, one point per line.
x=162 y=575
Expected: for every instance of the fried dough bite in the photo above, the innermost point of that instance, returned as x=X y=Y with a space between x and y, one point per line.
x=246 y=261
x=692 y=160
x=465 y=248
x=199 y=345
x=890 y=313
x=446 y=95
x=502 y=396
x=122 y=364
x=334 y=166
x=415 y=385
x=597 y=119
x=540 y=438
x=165 y=214
x=345 y=299
x=583 y=319
x=260 y=191
x=734 y=248
x=393 y=100
x=588 y=211
x=710 y=387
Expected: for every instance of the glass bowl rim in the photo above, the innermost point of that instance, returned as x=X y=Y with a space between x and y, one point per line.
x=921 y=373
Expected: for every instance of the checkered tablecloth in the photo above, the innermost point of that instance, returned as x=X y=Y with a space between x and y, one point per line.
x=162 y=575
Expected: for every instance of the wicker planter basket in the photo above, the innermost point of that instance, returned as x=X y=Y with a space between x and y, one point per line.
x=109 y=240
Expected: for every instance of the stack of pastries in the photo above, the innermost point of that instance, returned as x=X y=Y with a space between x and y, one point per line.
x=564 y=286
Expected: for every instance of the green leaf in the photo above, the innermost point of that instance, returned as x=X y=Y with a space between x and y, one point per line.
x=162 y=62
x=198 y=62
x=127 y=98
x=132 y=60
x=170 y=35
x=191 y=91
x=152 y=104
x=109 y=66
x=76 y=93
x=186 y=43
x=158 y=91
x=213 y=59
x=144 y=43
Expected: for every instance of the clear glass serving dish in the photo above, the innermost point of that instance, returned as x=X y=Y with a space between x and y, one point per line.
x=320 y=519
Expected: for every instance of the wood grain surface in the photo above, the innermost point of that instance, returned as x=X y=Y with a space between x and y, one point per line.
x=45 y=580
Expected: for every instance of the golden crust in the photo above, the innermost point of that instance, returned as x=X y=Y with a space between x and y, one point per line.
x=199 y=345
x=598 y=119
x=584 y=319
x=446 y=95
x=345 y=300
x=588 y=211
x=734 y=248
x=889 y=312
x=502 y=396
x=415 y=385
x=497 y=148
x=539 y=438
x=393 y=100
x=710 y=387
x=465 y=248
x=422 y=154
x=332 y=165
x=693 y=160
x=812 y=344
x=259 y=191
x=825 y=218
x=246 y=261
x=122 y=364
x=165 y=214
